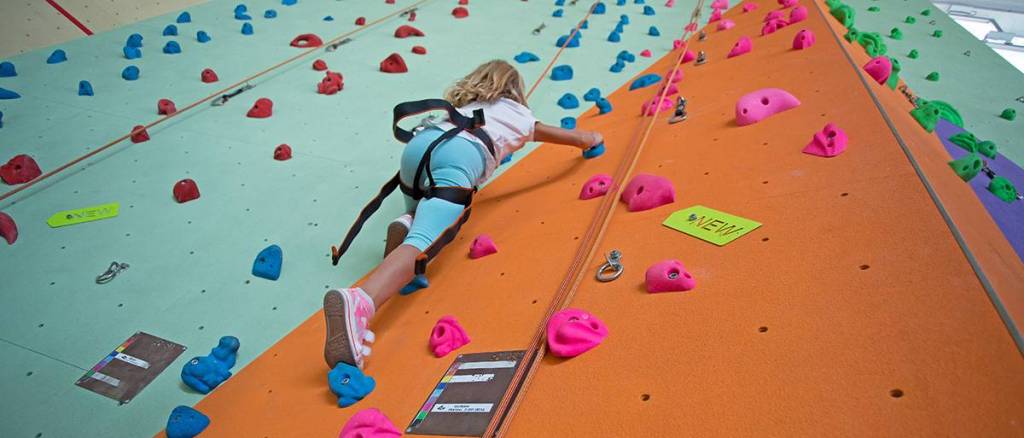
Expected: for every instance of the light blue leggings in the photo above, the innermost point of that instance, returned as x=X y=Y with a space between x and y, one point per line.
x=456 y=162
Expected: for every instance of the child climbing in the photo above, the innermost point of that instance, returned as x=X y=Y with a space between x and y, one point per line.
x=449 y=171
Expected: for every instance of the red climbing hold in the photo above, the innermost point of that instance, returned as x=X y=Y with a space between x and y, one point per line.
x=390 y=2
x=283 y=152
x=405 y=31
x=139 y=134
x=8 y=228
x=20 y=169
x=185 y=190
x=360 y=21
x=460 y=12
x=319 y=65
x=419 y=50
x=262 y=109
x=165 y=107
x=412 y=16
x=668 y=276
x=209 y=76
x=803 y=39
x=482 y=246
x=646 y=191
x=393 y=64
x=331 y=84
x=463 y=2
x=447 y=336
x=307 y=40
x=646 y=53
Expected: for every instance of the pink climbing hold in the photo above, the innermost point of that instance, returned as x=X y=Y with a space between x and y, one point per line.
x=774 y=15
x=798 y=14
x=185 y=190
x=20 y=169
x=788 y=3
x=572 y=332
x=689 y=56
x=761 y=104
x=165 y=107
x=332 y=83
x=646 y=191
x=671 y=90
x=651 y=106
x=716 y=14
x=829 y=142
x=670 y=3
x=771 y=26
x=369 y=423
x=691 y=27
x=139 y=134
x=596 y=187
x=463 y=2
x=720 y=4
x=283 y=152
x=262 y=109
x=741 y=47
x=412 y=15
x=646 y=53
x=677 y=44
x=460 y=12
x=8 y=228
x=803 y=39
x=319 y=65
x=393 y=64
x=749 y=6
x=482 y=246
x=405 y=31
x=726 y=24
x=360 y=21
x=419 y=50
x=669 y=276
x=307 y=40
x=208 y=76
x=879 y=69
x=674 y=77
x=447 y=336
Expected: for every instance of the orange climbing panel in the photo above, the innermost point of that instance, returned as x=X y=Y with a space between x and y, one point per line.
x=851 y=311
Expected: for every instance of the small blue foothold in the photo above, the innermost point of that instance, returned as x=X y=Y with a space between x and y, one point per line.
x=247 y=29
x=1 y=119
x=184 y=17
x=568 y=123
x=58 y=56
x=585 y=24
x=653 y=31
x=328 y=18
x=289 y=2
x=268 y=263
x=574 y=42
x=204 y=373
x=132 y=52
x=349 y=384
x=270 y=14
x=614 y=37
x=134 y=40
x=525 y=57
x=592 y=95
x=6 y=94
x=561 y=73
x=84 y=88
x=507 y=159
x=186 y=422
x=604 y=106
x=620 y=2
x=645 y=81
x=618 y=66
x=171 y=30
x=598 y=8
x=638 y=2
x=7 y=70
x=594 y=151
x=648 y=10
x=130 y=73
x=619 y=28
x=624 y=19
x=626 y=56
x=559 y=2
x=242 y=16
x=172 y=48
x=420 y=281
x=241 y=8
x=568 y=101
x=557 y=13
x=202 y=36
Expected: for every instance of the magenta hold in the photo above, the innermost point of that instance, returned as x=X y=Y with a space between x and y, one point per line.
x=482 y=246
x=646 y=191
x=761 y=104
x=669 y=276
x=447 y=336
x=829 y=142
x=572 y=332
x=595 y=187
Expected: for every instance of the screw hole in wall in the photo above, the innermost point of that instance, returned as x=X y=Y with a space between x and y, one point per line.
x=896 y=393
x=645 y=397
x=762 y=329
x=864 y=267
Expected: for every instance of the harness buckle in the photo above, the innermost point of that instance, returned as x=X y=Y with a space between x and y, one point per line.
x=477 y=119
x=612 y=268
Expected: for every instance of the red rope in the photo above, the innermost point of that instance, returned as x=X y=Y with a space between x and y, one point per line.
x=70 y=17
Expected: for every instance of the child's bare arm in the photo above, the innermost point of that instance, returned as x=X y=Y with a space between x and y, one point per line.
x=578 y=138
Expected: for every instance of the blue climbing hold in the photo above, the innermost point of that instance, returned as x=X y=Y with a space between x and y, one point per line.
x=130 y=73
x=559 y=2
x=626 y=56
x=420 y=281
x=598 y=8
x=507 y=159
x=242 y=16
x=171 y=30
x=184 y=17
x=84 y=88
x=585 y=24
x=241 y=8
x=289 y=2
x=648 y=10
x=618 y=66
x=561 y=73
x=568 y=101
x=592 y=95
x=172 y=48
x=268 y=263
x=132 y=52
x=202 y=36
x=525 y=57
x=247 y=29
x=624 y=19
x=620 y=2
x=204 y=373
x=619 y=28
x=566 y=42
x=134 y=40
x=594 y=151
x=645 y=81
x=270 y=13
x=328 y=18
x=568 y=123
x=349 y=384
x=653 y=31
x=58 y=56
x=6 y=94
x=1 y=119
x=7 y=70
x=638 y=2
x=558 y=13
x=186 y=422
x=614 y=37
x=604 y=106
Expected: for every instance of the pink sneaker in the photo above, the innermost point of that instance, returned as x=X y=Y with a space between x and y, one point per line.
x=348 y=312
x=397 y=230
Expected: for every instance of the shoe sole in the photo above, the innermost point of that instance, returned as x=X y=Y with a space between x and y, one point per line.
x=338 y=346
x=397 y=232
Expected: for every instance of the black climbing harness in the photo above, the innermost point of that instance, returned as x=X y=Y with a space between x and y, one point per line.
x=457 y=195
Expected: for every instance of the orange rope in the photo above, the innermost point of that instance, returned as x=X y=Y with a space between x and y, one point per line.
x=575 y=30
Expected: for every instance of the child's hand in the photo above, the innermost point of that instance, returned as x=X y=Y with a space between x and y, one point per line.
x=591 y=139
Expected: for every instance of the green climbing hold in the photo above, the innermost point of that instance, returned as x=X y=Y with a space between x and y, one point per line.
x=965 y=140
x=852 y=35
x=874 y=9
x=967 y=167
x=896 y=33
x=832 y=4
x=937 y=33
x=873 y=44
x=987 y=148
x=927 y=116
x=926 y=12
x=933 y=76
x=894 y=76
x=844 y=13
x=946 y=111
x=1009 y=114
x=1003 y=189
x=910 y=20
x=913 y=54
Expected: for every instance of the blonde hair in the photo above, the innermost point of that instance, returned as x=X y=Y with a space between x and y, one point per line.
x=488 y=82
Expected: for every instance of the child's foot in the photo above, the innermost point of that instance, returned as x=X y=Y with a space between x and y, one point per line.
x=397 y=230
x=347 y=311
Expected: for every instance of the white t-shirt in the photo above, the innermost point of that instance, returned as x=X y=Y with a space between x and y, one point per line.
x=508 y=123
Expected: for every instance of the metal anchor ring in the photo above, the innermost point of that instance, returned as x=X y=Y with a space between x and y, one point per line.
x=111 y=272
x=612 y=268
